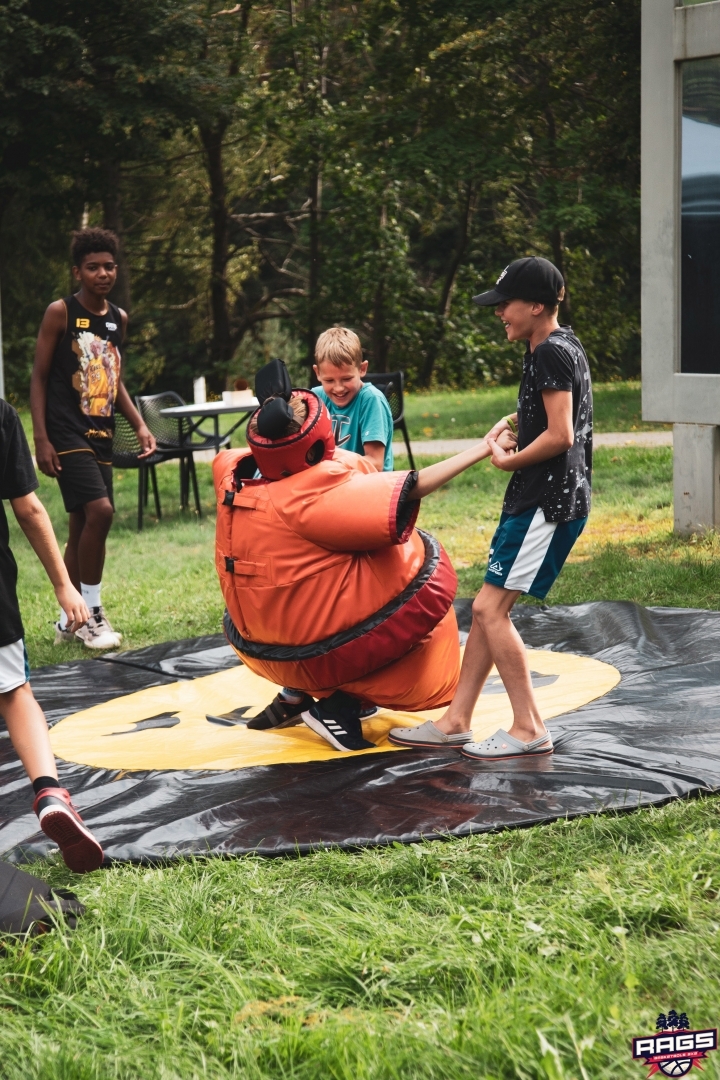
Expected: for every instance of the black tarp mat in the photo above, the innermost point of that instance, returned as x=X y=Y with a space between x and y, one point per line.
x=653 y=737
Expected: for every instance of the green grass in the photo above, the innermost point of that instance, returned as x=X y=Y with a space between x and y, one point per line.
x=467 y=414
x=627 y=552
x=530 y=954
x=161 y=584
x=158 y=585
x=534 y=953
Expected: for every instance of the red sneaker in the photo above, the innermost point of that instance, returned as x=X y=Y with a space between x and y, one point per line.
x=61 y=822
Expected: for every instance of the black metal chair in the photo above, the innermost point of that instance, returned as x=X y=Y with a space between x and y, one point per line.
x=391 y=384
x=175 y=439
x=125 y=451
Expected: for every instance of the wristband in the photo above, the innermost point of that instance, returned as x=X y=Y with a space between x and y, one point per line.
x=509 y=420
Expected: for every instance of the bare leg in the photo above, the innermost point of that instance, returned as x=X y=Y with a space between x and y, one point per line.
x=28 y=731
x=58 y=818
x=476 y=666
x=76 y=526
x=98 y=516
x=497 y=641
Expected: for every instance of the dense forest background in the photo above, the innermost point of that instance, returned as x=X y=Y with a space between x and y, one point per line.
x=276 y=167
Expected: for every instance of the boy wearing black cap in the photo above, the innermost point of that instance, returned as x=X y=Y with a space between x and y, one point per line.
x=546 y=505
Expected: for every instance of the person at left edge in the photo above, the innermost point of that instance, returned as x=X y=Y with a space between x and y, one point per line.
x=23 y=716
x=76 y=387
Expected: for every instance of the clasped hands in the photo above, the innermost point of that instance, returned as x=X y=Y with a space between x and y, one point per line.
x=502 y=441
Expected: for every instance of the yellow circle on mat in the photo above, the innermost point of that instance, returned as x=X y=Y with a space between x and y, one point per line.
x=107 y=736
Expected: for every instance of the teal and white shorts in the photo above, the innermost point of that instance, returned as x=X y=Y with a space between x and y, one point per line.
x=14 y=666
x=527 y=552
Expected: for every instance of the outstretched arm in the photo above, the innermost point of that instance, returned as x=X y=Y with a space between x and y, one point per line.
x=32 y=517
x=434 y=476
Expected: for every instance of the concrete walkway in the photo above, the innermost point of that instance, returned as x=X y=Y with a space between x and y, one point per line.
x=442 y=447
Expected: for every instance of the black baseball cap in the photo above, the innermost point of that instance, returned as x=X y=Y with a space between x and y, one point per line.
x=533 y=279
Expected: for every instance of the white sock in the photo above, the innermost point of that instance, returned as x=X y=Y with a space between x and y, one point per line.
x=293 y=697
x=63 y=620
x=91 y=594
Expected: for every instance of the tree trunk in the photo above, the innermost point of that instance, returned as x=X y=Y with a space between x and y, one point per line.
x=221 y=345
x=557 y=237
x=315 y=200
x=380 y=339
x=112 y=219
x=435 y=341
x=558 y=246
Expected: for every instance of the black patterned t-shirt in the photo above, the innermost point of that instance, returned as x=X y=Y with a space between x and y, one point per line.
x=560 y=485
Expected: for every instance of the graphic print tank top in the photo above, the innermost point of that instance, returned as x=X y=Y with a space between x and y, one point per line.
x=83 y=381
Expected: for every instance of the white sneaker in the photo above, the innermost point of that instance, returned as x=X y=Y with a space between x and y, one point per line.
x=62 y=636
x=97 y=633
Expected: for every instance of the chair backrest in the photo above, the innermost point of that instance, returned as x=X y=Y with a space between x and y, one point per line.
x=391 y=384
x=125 y=447
x=166 y=429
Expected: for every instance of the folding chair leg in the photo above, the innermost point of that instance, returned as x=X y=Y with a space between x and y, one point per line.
x=407 y=444
x=193 y=474
x=156 y=494
x=141 y=495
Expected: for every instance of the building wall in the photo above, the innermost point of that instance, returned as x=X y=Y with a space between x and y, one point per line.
x=670 y=36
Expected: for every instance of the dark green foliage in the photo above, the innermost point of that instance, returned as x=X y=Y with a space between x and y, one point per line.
x=272 y=170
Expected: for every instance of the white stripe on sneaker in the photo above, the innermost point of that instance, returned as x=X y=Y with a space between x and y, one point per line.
x=324 y=732
x=63 y=813
x=532 y=551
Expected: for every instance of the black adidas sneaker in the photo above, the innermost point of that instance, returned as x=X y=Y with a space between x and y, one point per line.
x=337 y=720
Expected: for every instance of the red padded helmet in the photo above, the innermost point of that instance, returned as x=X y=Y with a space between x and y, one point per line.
x=278 y=458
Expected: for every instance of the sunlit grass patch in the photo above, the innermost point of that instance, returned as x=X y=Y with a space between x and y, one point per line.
x=460 y=960
x=466 y=414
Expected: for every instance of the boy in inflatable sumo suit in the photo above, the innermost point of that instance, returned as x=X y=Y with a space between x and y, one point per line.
x=329 y=587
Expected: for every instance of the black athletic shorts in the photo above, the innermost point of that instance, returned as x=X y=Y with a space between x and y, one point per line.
x=83 y=478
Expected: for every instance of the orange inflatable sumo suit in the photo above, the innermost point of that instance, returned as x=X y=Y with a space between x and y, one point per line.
x=329 y=586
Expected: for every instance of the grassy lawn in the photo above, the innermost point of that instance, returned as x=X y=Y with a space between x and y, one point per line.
x=160 y=584
x=534 y=954
x=530 y=954
x=467 y=414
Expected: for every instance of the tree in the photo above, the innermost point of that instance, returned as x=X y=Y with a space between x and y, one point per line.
x=276 y=164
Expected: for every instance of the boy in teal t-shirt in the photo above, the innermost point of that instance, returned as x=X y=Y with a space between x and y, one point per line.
x=362 y=422
x=361 y=417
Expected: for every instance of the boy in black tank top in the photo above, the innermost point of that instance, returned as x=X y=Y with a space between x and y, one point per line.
x=75 y=388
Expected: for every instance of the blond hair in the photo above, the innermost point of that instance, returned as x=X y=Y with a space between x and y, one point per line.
x=300 y=411
x=339 y=346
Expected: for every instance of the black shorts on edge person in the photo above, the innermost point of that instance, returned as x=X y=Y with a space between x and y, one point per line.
x=84 y=478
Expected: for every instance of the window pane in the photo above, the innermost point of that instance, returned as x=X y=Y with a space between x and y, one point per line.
x=700 y=245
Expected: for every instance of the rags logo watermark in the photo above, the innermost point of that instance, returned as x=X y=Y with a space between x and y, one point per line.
x=675 y=1048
